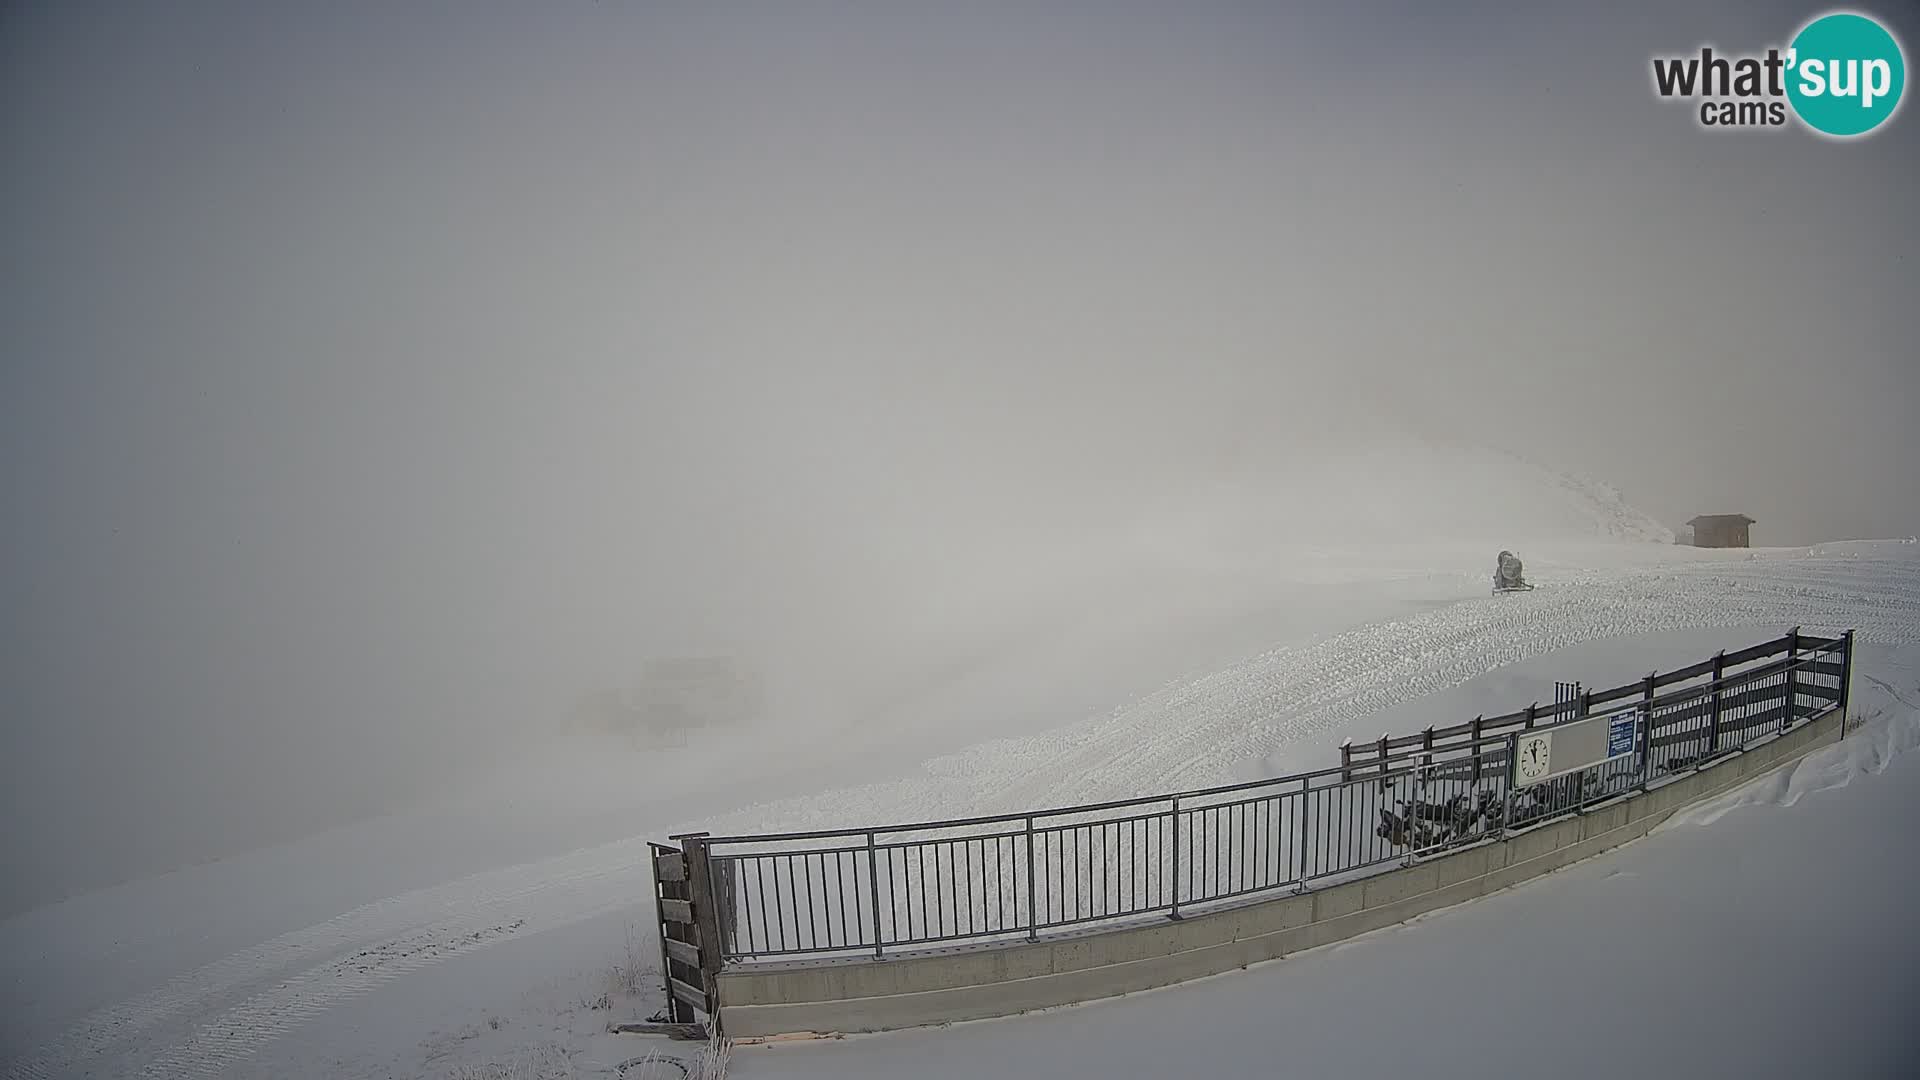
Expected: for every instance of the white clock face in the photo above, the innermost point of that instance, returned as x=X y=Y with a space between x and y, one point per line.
x=1533 y=754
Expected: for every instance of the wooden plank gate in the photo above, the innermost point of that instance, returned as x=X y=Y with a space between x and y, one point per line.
x=689 y=932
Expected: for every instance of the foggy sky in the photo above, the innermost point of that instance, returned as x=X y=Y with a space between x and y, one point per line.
x=379 y=374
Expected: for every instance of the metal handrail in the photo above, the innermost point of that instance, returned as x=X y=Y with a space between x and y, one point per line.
x=1182 y=849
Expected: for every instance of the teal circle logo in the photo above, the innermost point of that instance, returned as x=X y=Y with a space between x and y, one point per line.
x=1845 y=74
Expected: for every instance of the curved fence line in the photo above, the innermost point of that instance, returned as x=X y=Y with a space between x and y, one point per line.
x=923 y=885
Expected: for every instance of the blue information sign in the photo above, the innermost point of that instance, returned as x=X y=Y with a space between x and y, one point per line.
x=1620 y=731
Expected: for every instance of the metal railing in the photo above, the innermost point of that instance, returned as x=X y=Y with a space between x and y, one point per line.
x=1013 y=876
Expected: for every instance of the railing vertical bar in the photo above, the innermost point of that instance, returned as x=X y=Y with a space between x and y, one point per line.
x=1057 y=906
x=999 y=886
x=966 y=882
x=1323 y=831
x=1250 y=842
x=1300 y=829
x=779 y=911
x=1093 y=872
x=1341 y=836
x=1083 y=895
x=1197 y=855
x=1097 y=868
x=937 y=925
x=813 y=931
x=1080 y=896
x=1010 y=890
x=1174 y=827
x=873 y=888
x=1153 y=874
x=998 y=907
x=893 y=897
x=1275 y=845
x=1216 y=855
x=840 y=891
x=1096 y=885
x=760 y=878
x=1203 y=847
x=1223 y=842
x=1135 y=863
x=793 y=899
x=777 y=929
x=1033 y=915
x=1270 y=840
x=1263 y=835
x=1350 y=843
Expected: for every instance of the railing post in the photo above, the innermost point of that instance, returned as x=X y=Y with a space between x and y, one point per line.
x=1383 y=753
x=1033 y=913
x=706 y=916
x=1476 y=748
x=873 y=884
x=1793 y=657
x=1422 y=779
x=1846 y=678
x=1646 y=732
x=1713 y=719
x=1532 y=710
x=1175 y=820
x=1346 y=760
x=1585 y=705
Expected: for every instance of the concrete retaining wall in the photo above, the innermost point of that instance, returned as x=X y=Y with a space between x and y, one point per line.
x=864 y=994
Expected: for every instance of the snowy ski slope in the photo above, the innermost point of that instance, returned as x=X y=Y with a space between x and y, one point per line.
x=176 y=977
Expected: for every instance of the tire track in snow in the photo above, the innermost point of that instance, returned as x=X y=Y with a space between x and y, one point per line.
x=206 y=1022
x=238 y=1033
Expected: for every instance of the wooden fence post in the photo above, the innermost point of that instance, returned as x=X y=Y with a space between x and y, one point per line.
x=706 y=919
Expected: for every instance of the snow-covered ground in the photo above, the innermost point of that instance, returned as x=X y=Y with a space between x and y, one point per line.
x=485 y=925
x=1764 y=933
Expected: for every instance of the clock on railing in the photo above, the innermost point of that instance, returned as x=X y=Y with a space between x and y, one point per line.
x=1533 y=756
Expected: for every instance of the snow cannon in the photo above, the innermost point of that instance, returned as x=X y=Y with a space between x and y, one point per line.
x=1507 y=576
